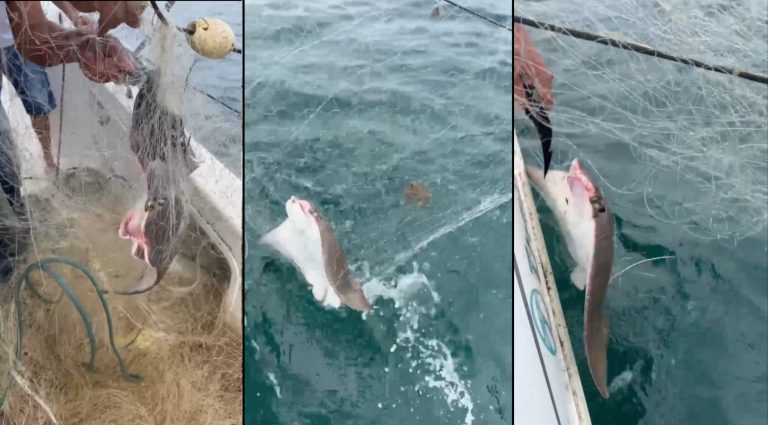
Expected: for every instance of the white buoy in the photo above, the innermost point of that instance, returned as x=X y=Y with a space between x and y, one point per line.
x=210 y=37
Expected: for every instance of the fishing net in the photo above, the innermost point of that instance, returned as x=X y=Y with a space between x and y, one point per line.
x=681 y=155
x=393 y=133
x=215 y=103
x=397 y=127
x=698 y=137
x=165 y=356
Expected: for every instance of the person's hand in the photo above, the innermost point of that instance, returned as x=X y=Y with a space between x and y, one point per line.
x=104 y=59
x=114 y=13
x=530 y=70
x=84 y=23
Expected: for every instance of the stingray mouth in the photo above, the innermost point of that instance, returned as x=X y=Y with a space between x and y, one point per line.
x=131 y=228
x=306 y=207
x=303 y=205
x=577 y=175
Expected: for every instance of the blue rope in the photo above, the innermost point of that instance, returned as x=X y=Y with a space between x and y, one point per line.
x=43 y=266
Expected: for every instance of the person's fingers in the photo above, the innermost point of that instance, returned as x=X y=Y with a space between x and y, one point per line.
x=126 y=64
x=535 y=73
x=118 y=61
x=98 y=72
x=95 y=72
x=529 y=67
x=105 y=60
x=123 y=59
x=543 y=82
x=110 y=46
x=518 y=78
x=86 y=25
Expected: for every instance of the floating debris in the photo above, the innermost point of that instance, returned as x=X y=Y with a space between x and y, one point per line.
x=418 y=193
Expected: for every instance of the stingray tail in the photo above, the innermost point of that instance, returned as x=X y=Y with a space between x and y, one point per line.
x=143 y=287
x=596 y=343
x=540 y=119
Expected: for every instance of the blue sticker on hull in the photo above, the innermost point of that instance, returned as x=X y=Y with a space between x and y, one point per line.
x=541 y=321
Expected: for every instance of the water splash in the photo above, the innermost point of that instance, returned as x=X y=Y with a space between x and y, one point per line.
x=275 y=385
x=621 y=381
x=416 y=299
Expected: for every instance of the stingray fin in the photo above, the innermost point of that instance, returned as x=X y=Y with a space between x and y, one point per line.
x=278 y=237
x=579 y=278
x=356 y=299
x=319 y=292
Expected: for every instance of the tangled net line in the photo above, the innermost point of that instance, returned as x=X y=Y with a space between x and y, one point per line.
x=699 y=137
x=43 y=266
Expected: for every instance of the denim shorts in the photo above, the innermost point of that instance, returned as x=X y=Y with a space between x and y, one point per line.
x=30 y=81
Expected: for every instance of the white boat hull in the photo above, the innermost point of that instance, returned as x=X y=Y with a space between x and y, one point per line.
x=547 y=386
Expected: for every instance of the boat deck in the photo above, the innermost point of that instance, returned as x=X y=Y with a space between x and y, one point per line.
x=91 y=125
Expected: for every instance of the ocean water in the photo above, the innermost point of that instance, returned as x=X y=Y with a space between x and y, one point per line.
x=213 y=125
x=682 y=157
x=347 y=103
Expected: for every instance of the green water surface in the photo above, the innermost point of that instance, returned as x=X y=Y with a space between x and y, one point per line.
x=346 y=104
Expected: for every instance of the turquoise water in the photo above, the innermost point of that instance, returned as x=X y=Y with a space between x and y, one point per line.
x=683 y=160
x=346 y=104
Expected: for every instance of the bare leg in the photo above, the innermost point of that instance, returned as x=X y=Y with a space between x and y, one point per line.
x=42 y=126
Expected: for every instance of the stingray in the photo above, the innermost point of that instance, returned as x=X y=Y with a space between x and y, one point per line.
x=583 y=216
x=307 y=239
x=165 y=157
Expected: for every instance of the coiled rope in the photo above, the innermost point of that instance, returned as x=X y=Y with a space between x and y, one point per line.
x=43 y=266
